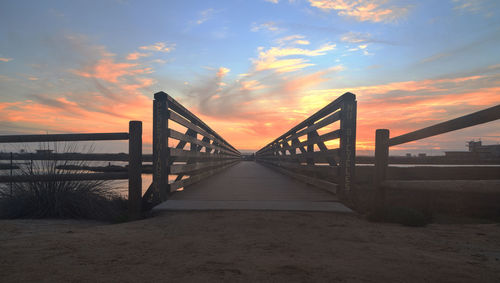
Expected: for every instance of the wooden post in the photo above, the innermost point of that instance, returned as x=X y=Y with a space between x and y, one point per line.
x=160 y=150
x=135 y=170
x=381 y=162
x=11 y=167
x=310 y=150
x=347 y=144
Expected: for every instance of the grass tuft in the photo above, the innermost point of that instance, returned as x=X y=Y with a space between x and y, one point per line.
x=60 y=199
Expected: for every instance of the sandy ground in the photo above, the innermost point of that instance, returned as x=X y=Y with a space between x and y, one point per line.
x=245 y=246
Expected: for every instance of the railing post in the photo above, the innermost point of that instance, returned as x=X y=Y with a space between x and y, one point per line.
x=310 y=150
x=347 y=144
x=160 y=150
x=381 y=162
x=135 y=170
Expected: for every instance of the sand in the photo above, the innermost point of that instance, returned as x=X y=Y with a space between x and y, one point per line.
x=247 y=246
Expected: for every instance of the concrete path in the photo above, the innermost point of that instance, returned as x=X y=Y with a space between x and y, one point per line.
x=251 y=186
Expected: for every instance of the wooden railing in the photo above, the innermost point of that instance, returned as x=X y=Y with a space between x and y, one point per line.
x=315 y=163
x=205 y=157
x=134 y=158
x=383 y=142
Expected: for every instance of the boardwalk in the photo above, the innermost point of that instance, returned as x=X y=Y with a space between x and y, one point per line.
x=251 y=186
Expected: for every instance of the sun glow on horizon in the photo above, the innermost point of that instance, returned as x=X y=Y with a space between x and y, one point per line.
x=251 y=78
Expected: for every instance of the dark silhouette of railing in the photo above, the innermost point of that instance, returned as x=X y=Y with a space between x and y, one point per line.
x=383 y=142
x=205 y=157
x=330 y=169
x=134 y=158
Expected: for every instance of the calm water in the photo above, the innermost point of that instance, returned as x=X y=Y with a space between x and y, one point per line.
x=121 y=186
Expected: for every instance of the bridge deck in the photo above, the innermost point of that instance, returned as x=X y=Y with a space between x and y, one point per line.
x=251 y=186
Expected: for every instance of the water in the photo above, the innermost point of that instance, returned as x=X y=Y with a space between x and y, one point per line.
x=121 y=186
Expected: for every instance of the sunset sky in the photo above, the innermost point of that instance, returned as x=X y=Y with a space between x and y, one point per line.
x=250 y=69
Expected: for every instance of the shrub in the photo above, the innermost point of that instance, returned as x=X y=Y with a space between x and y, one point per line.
x=60 y=199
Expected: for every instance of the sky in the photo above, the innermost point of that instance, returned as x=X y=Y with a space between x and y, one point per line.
x=250 y=69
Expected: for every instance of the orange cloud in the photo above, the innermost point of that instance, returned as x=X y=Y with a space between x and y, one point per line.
x=137 y=55
x=222 y=72
x=106 y=69
x=5 y=59
x=362 y=10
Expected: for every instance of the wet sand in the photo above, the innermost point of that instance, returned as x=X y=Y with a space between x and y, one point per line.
x=247 y=246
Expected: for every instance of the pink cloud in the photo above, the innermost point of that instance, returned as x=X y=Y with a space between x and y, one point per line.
x=106 y=69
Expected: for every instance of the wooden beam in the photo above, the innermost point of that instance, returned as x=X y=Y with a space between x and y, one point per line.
x=179 y=136
x=347 y=147
x=177 y=107
x=331 y=107
x=381 y=162
x=64 y=177
x=476 y=118
x=135 y=170
x=63 y=137
x=160 y=152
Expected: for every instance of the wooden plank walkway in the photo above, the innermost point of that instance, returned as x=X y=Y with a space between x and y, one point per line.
x=251 y=186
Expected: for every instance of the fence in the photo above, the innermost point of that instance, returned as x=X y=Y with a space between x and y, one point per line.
x=204 y=158
x=134 y=158
x=383 y=142
x=316 y=164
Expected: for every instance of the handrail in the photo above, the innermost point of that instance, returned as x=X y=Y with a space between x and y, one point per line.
x=63 y=137
x=134 y=158
x=383 y=142
x=476 y=118
x=281 y=153
x=205 y=157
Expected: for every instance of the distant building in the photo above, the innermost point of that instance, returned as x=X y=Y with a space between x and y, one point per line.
x=44 y=151
x=477 y=151
x=422 y=155
x=484 y=151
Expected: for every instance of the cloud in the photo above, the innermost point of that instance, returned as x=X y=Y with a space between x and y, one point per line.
x=356 y=37
x=222 y=72
x=271 y=59
x=267 y=26
x=205 y=15
x=108 y=70
x=137 y=55
x=251 y=85
x=83 y=88
x=2 y=59
x=435 y=57
x=363 y=10
x=409 y=105
x=293 y=39
x=472 y=6
x=254 y=107
x=159 y=47
x=272 y=1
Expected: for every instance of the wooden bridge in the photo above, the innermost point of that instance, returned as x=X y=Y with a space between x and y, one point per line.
x=311 y=167
x=251 y=185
